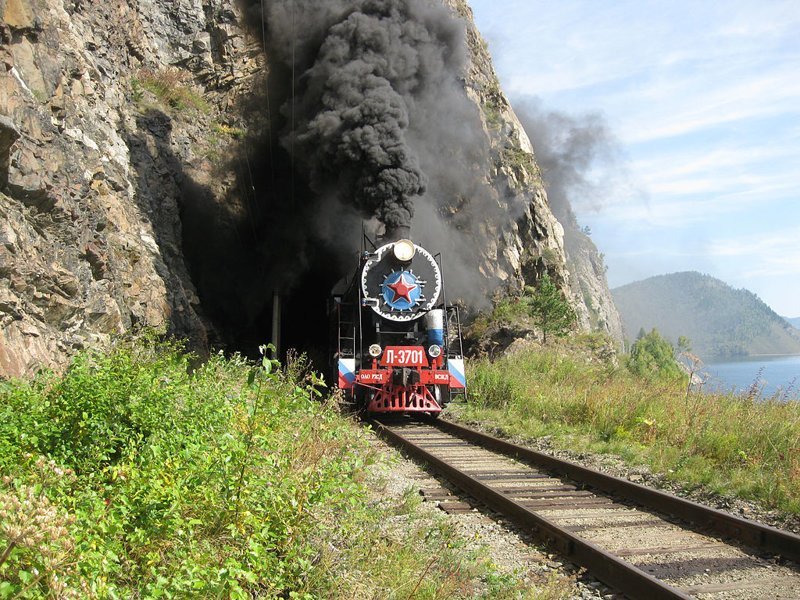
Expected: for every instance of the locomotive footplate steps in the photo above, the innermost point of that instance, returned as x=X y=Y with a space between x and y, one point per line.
x=562 y=505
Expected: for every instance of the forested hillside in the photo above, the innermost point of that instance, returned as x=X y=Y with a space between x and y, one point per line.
x=719 y=320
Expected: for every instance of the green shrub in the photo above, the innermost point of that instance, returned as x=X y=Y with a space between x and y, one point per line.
x=653 y=356
x=173 y=480
x=137 y=474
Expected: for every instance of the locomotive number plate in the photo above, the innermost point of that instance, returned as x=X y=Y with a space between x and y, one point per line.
x=404 y=356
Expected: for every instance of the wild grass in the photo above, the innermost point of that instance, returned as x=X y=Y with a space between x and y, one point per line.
x=171 y=88
x=746 y=446
x=139 y=474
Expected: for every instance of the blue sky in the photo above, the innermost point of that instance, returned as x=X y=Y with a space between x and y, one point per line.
x=704 y=100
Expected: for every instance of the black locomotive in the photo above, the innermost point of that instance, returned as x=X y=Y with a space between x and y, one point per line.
x=395 y=342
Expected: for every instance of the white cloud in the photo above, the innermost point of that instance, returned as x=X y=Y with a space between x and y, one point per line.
x=580 y=44
x=684 y=107
x=706 y=99
x=773 y=253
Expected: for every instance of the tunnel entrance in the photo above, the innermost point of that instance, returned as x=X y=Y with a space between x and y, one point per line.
x=262 y=230
x=268 y=235
x=303 y=315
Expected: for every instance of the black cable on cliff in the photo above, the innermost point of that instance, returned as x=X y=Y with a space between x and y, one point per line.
x=294 y=65
x=269 y=110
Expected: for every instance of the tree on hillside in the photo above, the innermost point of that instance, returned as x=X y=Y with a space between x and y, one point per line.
x=652 y=355
x=549 y=309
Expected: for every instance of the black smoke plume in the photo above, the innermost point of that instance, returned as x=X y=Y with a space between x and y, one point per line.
x=359 y=68
x=367 y=123
x=376 y=118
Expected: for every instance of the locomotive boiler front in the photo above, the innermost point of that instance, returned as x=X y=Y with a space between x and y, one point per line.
x=397 y=345
x=400 y=281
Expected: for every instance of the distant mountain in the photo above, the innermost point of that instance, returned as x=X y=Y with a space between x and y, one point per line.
x=794 y=322
x=718 y=319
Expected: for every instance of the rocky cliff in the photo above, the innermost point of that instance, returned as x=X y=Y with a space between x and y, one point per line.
x=93 y=164
x=594 y=301
x=138 y=169
x=523 y=244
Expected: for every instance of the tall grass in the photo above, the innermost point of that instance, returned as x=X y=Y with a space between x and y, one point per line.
x=172 y=88
x=748 y=446
x=137 y=474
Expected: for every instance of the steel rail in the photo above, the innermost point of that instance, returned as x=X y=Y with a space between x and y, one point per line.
x=606 y=567
x=763 y=537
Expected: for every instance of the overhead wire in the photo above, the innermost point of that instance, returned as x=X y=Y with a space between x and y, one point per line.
x=266 y=86
x=292 y=134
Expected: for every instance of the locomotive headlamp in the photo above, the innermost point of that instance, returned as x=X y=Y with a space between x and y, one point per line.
x=375 y=350
x=434 y=351
x=403 y=250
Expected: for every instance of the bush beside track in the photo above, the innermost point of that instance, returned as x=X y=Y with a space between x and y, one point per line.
x=138 y=475
x=743 y=446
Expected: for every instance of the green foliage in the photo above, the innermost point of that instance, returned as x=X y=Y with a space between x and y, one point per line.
x=493 y=114
x=549 y=309
x=137 y=474
x=173 y=480
x=218 y=142
x=653 y=356
x=549 y=257
x=543 y=307
x=228 y=130
x=748 y=446
x=520 y=160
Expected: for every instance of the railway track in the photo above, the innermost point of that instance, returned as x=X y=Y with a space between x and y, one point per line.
x=643 y=542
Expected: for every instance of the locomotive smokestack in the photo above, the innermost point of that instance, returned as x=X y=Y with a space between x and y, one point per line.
x=398 y=232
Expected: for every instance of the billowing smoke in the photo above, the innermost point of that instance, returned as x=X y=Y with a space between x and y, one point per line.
x=359 y=68
x=578 y=154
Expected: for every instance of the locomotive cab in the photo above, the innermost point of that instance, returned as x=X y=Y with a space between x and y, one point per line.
x=396 y=343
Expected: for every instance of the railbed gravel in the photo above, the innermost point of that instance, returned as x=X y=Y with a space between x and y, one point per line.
x=511 y=551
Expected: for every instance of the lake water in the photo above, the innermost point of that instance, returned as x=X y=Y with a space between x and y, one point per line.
x=774 y=374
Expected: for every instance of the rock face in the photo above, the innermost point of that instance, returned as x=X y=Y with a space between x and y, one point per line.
x=520 y=247
x=537 y=241
x=90 y=174
x=594 y=302
x=114 y=116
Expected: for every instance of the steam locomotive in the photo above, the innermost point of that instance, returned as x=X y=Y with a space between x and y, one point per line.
x=395 y=342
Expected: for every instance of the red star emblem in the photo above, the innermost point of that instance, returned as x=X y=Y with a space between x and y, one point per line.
x=402 y=289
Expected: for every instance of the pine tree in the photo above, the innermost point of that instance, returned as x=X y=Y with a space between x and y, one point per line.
x=550 y=310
